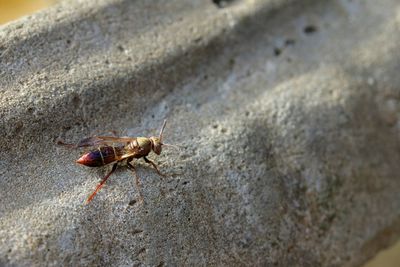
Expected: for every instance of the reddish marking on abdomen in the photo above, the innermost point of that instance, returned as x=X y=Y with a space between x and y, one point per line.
x=101 y=156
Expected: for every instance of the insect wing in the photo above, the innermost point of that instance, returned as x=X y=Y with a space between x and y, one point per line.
x=90 y=141
x=112 y=139
x=98 y=140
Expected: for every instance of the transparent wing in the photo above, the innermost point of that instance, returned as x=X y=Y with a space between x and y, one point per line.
x=98 y=140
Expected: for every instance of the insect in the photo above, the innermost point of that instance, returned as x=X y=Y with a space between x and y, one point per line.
x=117 y=150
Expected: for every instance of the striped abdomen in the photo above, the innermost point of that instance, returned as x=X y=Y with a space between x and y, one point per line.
x=101 y=156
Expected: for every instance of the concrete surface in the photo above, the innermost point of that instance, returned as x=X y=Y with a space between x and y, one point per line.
x=287 y=112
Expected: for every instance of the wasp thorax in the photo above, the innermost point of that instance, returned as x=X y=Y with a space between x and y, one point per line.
x=156 y=144
x=143 y=142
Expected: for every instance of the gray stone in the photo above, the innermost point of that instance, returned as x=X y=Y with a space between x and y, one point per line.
x=287 y=114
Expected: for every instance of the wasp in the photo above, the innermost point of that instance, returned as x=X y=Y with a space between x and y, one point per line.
x=118 y=151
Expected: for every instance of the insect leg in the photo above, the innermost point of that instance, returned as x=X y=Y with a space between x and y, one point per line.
x=154 y=165
x=137 y=180
x=62 y=143
x=100 y=185
x=115 y=133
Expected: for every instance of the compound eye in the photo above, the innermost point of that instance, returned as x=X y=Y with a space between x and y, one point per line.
x=157 y=149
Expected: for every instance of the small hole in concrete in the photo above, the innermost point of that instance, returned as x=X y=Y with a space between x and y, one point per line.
x=224 y=130
x=232 y=62
x=222 y=3
x=132 y=202
x=289 y=42
x=120 y=48
x=310 y=29
x=198 y=40
x=76 y=101
x=137 y=231
x=277 y=51
x=141 y=251
x=18 y=127
x=68 y=41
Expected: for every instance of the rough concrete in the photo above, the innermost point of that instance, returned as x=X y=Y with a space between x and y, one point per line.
x=287 y=112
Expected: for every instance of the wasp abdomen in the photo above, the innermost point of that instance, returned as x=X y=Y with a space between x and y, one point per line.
x=100 y=157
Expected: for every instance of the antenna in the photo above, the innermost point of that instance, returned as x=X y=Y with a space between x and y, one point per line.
x=174 y=146
x=162 y=130
x=161 y=133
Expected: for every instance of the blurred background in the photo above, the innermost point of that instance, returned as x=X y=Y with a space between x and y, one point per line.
x=13 y=9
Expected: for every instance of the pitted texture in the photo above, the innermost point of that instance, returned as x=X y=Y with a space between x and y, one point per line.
x=287 y=114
